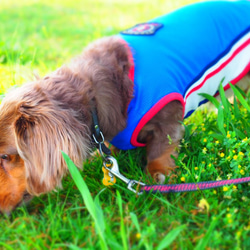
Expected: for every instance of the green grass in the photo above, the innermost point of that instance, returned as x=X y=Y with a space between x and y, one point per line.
x=38 y=36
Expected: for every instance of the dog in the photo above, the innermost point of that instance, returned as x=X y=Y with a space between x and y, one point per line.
x=141 y=84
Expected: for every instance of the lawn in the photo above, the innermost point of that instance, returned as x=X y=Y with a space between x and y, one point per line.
x=38 y=36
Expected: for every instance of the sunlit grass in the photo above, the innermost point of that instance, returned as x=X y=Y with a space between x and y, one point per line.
x=37 y=37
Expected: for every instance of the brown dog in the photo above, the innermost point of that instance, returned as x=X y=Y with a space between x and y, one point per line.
x=41 y=118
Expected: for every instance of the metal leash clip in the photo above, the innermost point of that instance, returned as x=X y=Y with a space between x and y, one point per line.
x=111 y=165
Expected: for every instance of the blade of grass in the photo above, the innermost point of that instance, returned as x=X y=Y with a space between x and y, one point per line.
x=93 y=207
x=204 y=241
x=122 y=227
x=243 y=93
x=99 y=214
x=237 y=112
x=224 y=99
x=239 y=133
x=220 y=120
x=5 y=246
x=240 y=97
x=217 y=136
x=212 y=99
x=135 y=221
x=170 y=237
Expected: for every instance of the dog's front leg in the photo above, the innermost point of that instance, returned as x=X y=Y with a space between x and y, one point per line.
x=163 y=165
x=162 y=135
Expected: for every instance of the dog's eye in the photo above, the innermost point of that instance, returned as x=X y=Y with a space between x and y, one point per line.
x=5 y=157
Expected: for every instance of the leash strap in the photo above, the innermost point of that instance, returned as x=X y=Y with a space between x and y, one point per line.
x=187 y=187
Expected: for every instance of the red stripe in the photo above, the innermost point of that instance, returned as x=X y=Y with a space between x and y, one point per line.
x=131 y=73
x=237 y=79
x=240 y=76
x=152 y=112
x=223 y=65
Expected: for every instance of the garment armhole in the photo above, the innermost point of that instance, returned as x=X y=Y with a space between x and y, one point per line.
x=152 y=112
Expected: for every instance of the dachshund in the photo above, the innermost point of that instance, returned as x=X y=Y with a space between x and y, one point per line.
x=141 y=83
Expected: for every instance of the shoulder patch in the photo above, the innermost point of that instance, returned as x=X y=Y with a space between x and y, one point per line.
x=143 y=29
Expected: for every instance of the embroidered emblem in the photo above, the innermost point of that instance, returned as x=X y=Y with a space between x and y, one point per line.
x=143 y=29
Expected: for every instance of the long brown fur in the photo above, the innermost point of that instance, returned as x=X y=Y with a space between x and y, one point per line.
x=53 y=114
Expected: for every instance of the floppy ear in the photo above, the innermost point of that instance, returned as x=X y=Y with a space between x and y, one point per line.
x=42 y=131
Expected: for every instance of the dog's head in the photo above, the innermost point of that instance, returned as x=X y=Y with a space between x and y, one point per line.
x=34 y=129
x=53 y=114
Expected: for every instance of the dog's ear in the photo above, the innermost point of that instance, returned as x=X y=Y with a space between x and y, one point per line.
x=109 y=53
x=123 y=56
x=42 y=131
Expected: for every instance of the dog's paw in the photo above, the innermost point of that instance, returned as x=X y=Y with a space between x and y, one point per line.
x=159 y=177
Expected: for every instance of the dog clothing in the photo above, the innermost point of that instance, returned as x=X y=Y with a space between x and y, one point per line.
x=179 y=55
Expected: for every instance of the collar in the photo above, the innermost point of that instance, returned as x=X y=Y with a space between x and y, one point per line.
x=98 y=135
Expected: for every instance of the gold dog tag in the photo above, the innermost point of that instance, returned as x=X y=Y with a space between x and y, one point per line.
x=107 y=179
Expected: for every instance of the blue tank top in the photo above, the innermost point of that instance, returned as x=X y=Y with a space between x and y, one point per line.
x=181 y=54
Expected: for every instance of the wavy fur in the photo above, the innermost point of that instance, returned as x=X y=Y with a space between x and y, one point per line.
x=53 y=114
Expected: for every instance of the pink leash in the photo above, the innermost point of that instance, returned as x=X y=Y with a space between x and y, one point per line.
x=111 y=168
x=187 y=187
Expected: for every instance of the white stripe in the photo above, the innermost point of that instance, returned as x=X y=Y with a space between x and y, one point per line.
x=233 y=69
